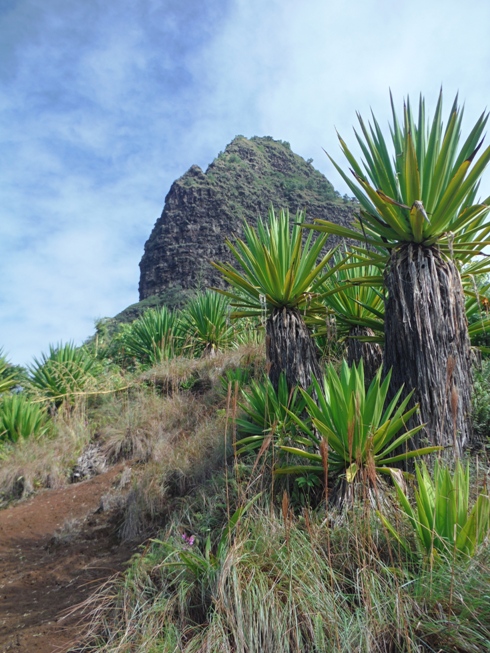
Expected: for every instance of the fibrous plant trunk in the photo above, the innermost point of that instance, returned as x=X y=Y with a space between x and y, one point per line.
x=370 y=352
x=372 y=493
x=290 y=349
x=427 y=343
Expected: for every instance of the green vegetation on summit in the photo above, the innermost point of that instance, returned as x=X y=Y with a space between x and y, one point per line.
x=204 y=209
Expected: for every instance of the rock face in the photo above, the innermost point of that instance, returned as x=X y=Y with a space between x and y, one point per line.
x=202 y=210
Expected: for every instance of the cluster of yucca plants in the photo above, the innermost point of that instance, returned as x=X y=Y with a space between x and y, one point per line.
x=421 y=218
x=276 y=584
x=63 y=376
x=201 y=328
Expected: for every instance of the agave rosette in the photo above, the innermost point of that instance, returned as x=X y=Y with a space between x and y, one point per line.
x=360 y=428
x=276 y=268
x=423 y=188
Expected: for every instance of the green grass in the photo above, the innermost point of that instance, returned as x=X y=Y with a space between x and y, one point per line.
x=286 y=583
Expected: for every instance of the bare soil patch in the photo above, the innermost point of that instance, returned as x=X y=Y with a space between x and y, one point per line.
x=55 y=550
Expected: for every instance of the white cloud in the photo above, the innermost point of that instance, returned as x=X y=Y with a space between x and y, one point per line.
x=103 y=105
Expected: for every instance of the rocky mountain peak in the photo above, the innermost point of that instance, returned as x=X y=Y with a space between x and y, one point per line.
x=203 y=209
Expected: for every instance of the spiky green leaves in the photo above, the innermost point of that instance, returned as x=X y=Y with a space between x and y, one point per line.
x=153 y=337
x=275 y=268
x=421 y=187
x=205 y=323
x=20 y=418
x=267 y=413
x=354 y=304
x=65 y=373
x=361 y=431
x=442 y=520
x=7 y=374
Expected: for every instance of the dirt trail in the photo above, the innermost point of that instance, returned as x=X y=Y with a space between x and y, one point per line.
x=48 y=565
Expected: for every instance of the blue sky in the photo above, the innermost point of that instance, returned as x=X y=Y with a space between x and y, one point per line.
x=104 y=104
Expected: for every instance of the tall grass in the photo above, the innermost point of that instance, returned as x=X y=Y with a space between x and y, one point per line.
x=289 y=584
x=46 y=461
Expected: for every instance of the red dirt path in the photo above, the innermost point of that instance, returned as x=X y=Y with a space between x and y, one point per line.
x=41 y=576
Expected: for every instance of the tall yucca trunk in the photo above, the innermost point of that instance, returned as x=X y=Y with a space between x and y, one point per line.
x=290 y=349
x=370 y=352
x=427 y=343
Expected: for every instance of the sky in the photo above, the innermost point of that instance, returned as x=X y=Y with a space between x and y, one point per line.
x=104 y=104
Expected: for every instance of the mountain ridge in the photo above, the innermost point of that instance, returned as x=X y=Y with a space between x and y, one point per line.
x=203 y=209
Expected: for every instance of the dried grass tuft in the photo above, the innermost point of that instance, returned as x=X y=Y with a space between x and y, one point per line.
x=46 y=462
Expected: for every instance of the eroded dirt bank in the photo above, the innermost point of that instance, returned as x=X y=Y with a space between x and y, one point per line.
x=55 y=549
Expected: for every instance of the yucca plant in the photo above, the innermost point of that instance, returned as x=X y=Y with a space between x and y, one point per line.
x=20 y=418
x=153 y=337
x=279 y=278
x=267 y=413
x=362 y=429
x=419 y=215
x=205 y=323
x=64 y=374
x=442 y=520
x=477 y=306
x=358 y=309
x=7 y=374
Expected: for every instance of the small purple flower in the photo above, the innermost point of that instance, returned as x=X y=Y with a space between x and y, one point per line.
x=188 y=539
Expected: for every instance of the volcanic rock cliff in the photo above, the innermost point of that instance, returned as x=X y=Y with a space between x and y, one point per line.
x=202 y=209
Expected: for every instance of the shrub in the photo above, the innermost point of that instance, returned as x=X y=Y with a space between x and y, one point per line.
x=152 y=338
x=205 y=324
